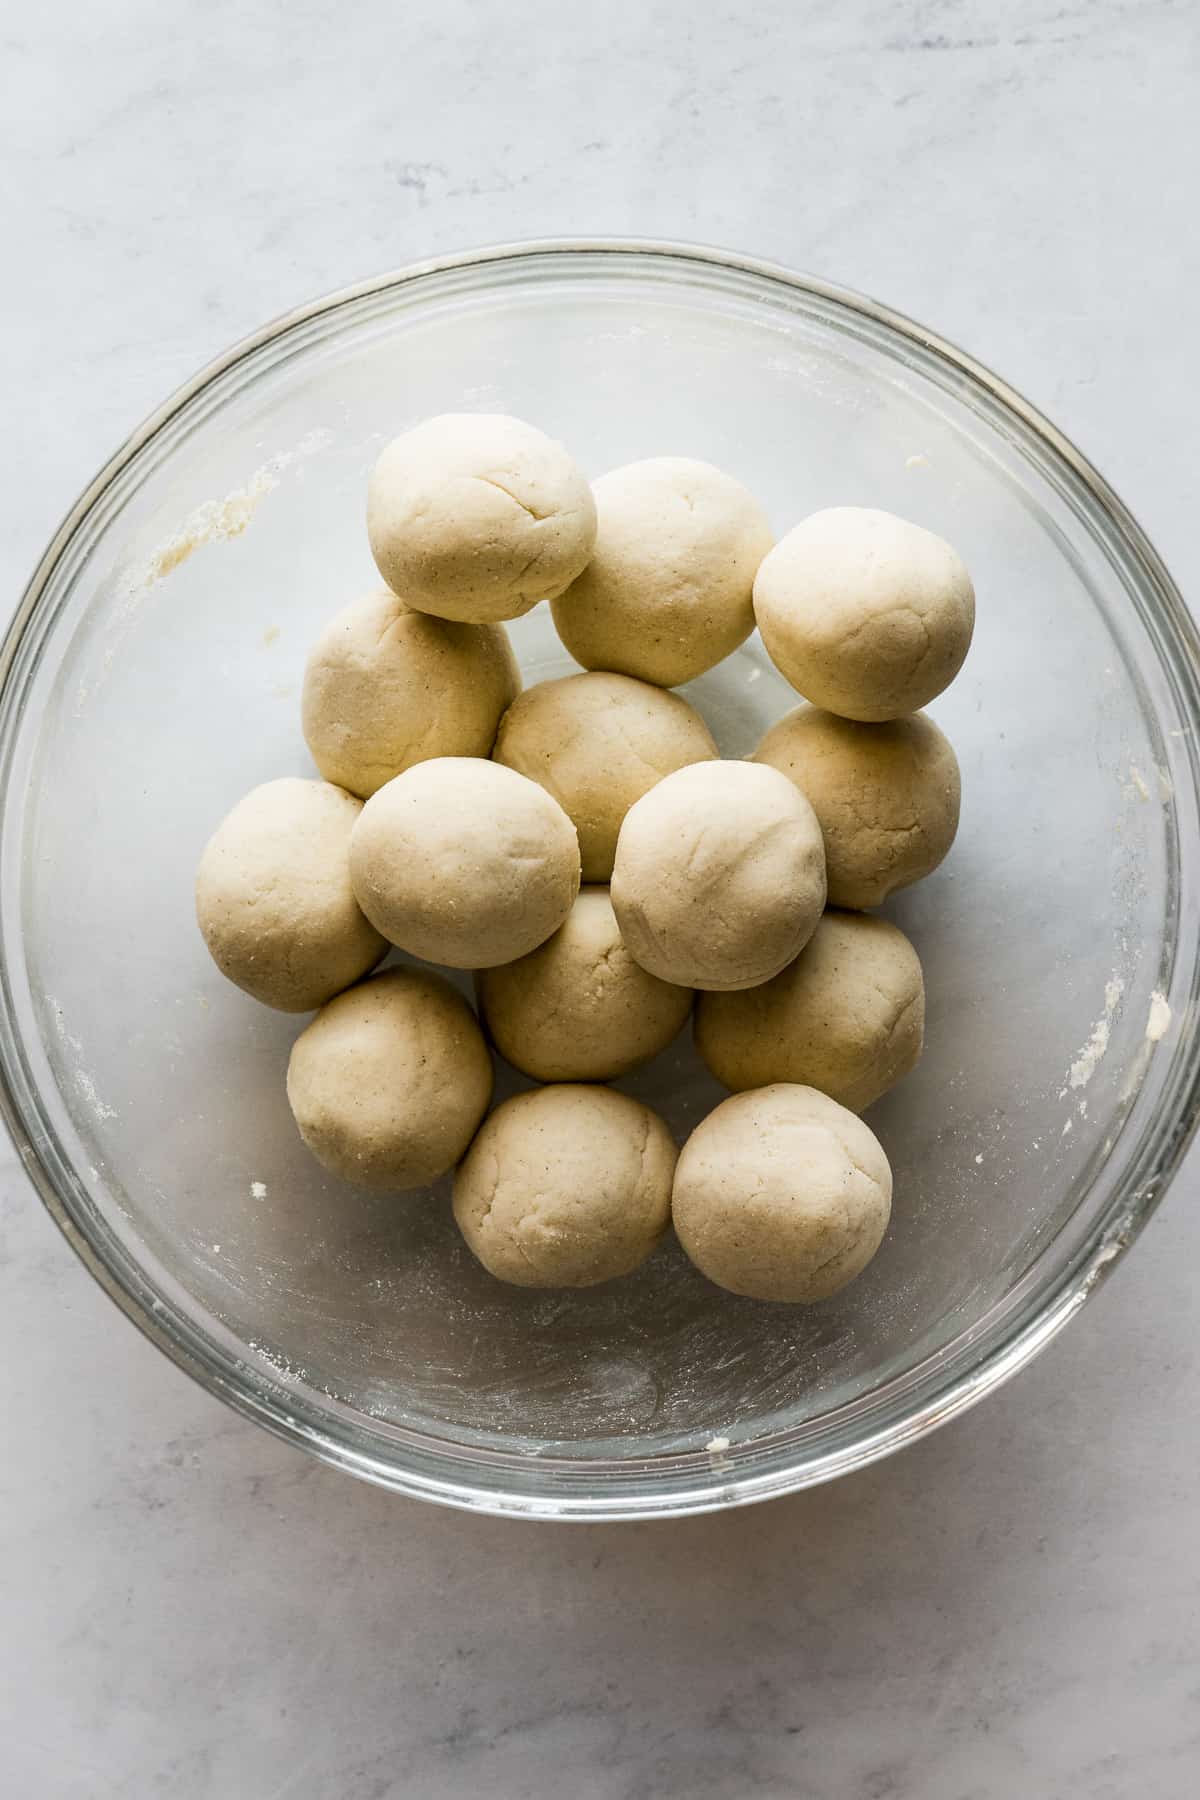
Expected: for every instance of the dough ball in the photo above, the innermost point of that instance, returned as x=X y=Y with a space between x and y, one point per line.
x=389 y=1082
x=720 y=876
x=781 y=1194
x=887 y=797
x=864 y=613
x=274 y=900
x=387 y=687
x=847 y=1017
x=598 y=742
x=464 y=862
x=578 y=1008
x=565 y=1187
x=477 y=516
x=667 y=592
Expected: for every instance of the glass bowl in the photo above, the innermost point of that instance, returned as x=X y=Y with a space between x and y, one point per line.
x=151 y=677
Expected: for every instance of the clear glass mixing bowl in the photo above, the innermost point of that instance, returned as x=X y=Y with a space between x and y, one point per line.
x=152 y=676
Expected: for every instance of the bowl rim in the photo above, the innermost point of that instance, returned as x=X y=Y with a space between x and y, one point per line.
x=715 y=1480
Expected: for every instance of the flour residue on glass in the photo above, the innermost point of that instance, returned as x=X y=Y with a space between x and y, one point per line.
x=1085 y=1064
x=216 y=521
x=84 y=1084
x=1159 y=1020
x=213 y=522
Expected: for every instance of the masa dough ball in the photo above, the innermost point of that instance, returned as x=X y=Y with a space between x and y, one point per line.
x=782 y=1194
x=598 y=742
x=464 y=862
x=391 y=1079
x=847 y=1017
x=578 y=1008
x=274 y=900
x=720 y=876
x=565 y=1187
x=387 y=687
x=477 y=516
x=887 y=796
x=667 y=592
x=864 y=613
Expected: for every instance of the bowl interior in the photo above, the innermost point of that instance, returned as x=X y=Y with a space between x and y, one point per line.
x=161 y=679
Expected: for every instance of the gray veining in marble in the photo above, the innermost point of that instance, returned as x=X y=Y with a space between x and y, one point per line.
x=193 y=1611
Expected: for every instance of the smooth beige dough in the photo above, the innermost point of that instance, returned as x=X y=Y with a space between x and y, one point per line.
x=477 y=516
x=598 y=742
x=578 y=1008
x=847 y=1017
x=387 y=686
x=566 y=1187
x=864 y=613
x=719 y=877
x=667 y=593
x=887 y=797
x=273 y=896
x=464 y=862
x=389 y=1082
x=782 y=1194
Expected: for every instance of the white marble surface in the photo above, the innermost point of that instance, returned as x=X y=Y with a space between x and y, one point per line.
x=193 y=1611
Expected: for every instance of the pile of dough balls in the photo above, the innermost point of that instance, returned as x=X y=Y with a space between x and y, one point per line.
x=583 y=849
